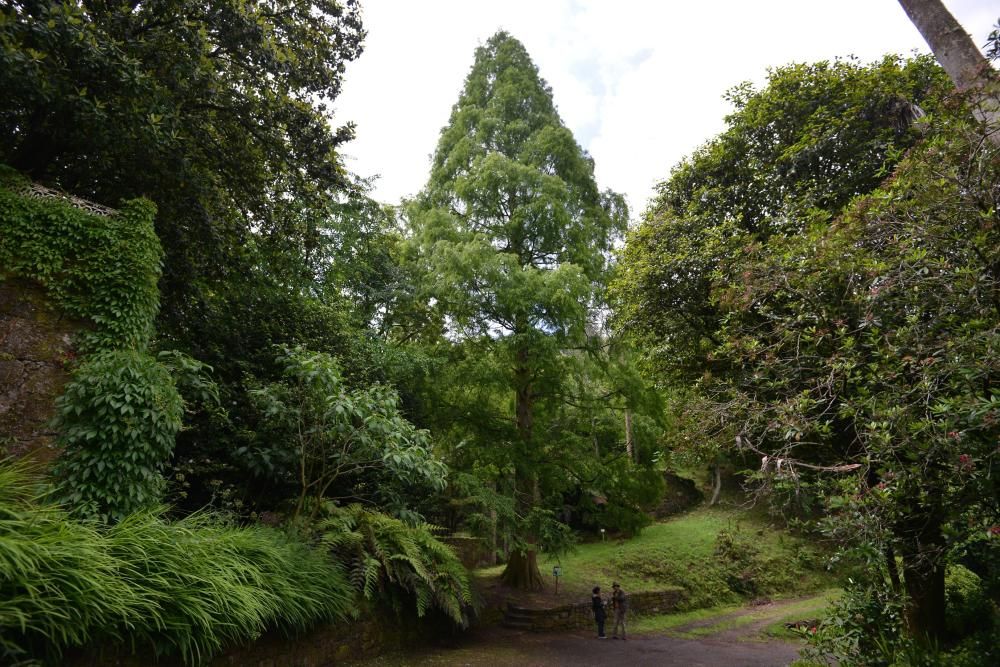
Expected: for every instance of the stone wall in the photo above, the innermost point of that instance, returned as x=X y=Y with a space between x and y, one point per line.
x=324 y=646
x=35 y=345
x=581 y=615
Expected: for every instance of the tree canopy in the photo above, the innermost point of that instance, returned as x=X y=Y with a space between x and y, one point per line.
x=513 y=239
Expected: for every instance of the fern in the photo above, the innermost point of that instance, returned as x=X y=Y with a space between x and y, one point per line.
x=395 y=563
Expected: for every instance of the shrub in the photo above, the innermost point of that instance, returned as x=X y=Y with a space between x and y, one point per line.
x=393 y=562
x=968 y=607
x=863 y=627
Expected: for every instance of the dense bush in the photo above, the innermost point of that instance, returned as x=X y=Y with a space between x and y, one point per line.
x=186 y=588
x=390 y=561
x=968 y=607
x=117 y=420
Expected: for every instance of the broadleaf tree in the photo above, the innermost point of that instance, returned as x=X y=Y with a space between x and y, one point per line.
x=514 y=239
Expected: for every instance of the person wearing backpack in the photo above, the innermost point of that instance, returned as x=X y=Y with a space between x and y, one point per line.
x=619 y=602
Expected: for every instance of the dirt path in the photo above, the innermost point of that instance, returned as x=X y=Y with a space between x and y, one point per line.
x=507 y=648
x=730 y=639
x=747 y=624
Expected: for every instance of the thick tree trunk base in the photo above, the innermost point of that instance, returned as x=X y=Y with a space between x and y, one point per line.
x=522 y=571
x=925 y=607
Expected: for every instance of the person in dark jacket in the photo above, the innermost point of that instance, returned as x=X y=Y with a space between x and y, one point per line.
x=599 y=614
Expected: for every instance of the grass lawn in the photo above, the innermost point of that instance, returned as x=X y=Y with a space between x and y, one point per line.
x=682 y=552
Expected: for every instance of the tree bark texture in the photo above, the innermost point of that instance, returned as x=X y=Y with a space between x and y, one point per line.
x=522 y=567
x=717 y=470
x=522 y=571
x=958 y=55
x=922 y=547
x=925 y=608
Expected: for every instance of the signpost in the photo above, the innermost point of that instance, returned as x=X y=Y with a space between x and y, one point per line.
x=557 y=572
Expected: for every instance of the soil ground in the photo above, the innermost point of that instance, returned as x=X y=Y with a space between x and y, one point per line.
x=732 y=638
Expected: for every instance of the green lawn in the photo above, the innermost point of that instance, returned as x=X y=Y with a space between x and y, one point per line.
x=681 y=552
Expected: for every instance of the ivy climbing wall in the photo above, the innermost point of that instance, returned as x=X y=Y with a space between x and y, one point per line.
x=75 y=278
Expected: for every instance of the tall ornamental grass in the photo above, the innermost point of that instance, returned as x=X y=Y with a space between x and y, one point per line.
x=185 y=588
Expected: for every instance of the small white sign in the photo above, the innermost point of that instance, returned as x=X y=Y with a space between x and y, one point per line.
x=556 y=571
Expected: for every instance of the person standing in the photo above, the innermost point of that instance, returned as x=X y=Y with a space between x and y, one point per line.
x=599 y=614
x=619 y=603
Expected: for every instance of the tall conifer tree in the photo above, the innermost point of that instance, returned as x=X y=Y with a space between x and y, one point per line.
x=516 y=239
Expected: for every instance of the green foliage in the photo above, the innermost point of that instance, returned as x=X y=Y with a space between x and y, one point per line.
x=830 y=328
x=793 y=153
x=969 y=609
x=187 y=588
x=216 y=111
x=329 y=435
x=863 y=627
x=117 y=419
x=511 y=246
x=392 y=562
x=102 y=270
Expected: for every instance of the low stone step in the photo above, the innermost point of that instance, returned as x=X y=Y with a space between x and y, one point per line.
x=519 y=615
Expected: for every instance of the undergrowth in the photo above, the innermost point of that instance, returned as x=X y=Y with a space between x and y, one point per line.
x=184 y=588
x=398 y=564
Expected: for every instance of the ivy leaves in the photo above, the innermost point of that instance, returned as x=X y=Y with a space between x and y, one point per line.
x=117 y=420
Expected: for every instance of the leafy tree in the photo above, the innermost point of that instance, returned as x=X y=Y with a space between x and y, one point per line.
x=327 y=436
x=793 y=153
x=878 y=349
x=853 y=338
x=514 y=239
x=215 y=111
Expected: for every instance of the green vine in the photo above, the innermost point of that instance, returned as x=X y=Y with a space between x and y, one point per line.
x=103 y=270
x=120 y=412
x=117 y=421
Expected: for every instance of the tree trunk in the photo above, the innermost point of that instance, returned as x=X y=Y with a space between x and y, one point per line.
x=890 y=564
x=522 y=568
x=925 y=605
x=522 y=571
x=629 y=443
x=958 y=55
x=923 y=576
x=717 y=469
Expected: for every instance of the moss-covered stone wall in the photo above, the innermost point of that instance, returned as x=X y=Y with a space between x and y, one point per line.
x=36 y=346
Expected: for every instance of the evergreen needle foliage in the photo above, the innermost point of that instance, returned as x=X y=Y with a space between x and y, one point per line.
x=186 y=588
x=391 y=561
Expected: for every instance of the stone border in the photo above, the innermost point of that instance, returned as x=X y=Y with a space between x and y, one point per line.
x=581 y=615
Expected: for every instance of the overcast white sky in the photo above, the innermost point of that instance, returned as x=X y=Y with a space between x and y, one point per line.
x=639 y=82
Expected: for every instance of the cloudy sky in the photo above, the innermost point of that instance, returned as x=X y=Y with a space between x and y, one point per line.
x=639 y=82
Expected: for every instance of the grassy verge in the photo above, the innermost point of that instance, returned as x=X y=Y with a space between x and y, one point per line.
x=755 y=559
